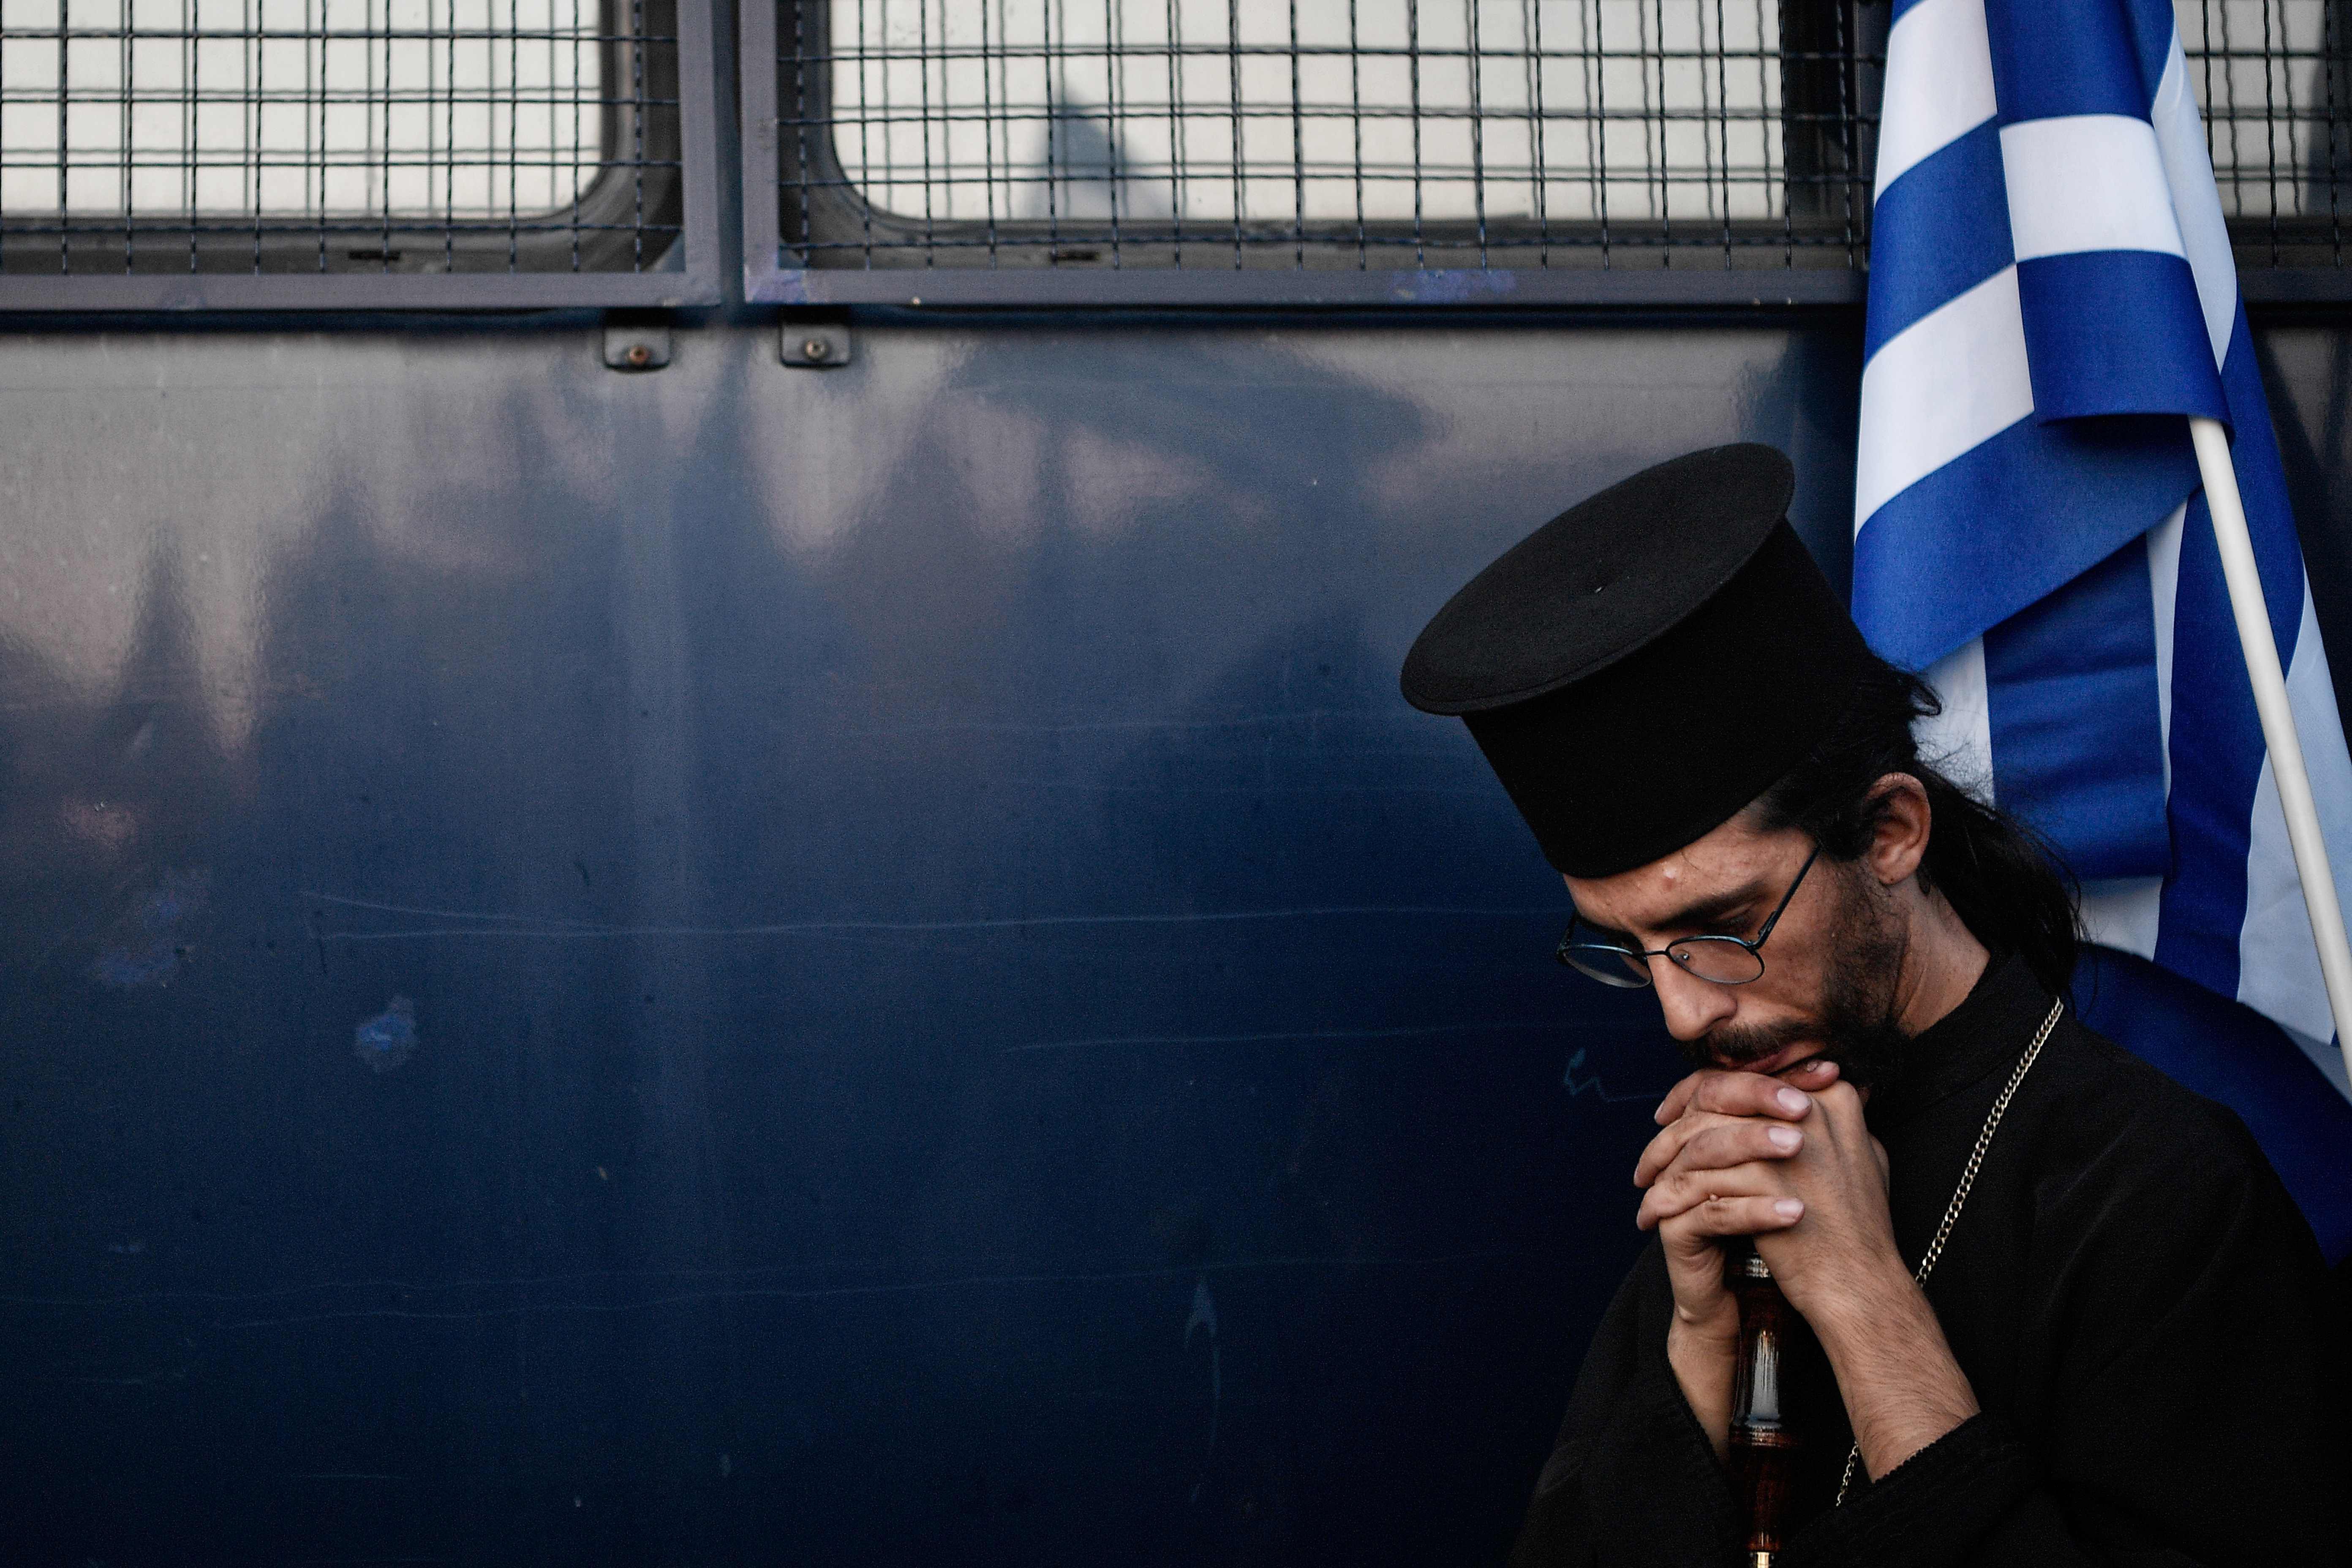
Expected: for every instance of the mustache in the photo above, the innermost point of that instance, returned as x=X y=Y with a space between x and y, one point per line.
x=1735 y=1044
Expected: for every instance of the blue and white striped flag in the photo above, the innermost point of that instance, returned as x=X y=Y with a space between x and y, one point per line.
x=2052 y=288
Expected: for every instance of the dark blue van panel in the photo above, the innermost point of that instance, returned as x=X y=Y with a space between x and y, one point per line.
x=745 y=965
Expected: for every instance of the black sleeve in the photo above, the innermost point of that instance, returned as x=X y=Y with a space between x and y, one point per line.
x=1632 y=1480
x=2192 y=1421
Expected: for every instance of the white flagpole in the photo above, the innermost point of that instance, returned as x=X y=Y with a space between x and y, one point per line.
x=2303 y=835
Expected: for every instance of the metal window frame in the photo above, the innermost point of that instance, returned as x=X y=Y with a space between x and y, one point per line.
x=767 y=281
x=2259 y=285
x=696 y=282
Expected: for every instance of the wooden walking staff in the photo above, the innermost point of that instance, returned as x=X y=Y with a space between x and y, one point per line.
x=2262 y=668
x=1763 y=1446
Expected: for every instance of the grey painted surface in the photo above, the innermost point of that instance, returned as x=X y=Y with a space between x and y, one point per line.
x=750 y=964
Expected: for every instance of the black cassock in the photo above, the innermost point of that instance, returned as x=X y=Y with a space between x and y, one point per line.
x=2146 y=1321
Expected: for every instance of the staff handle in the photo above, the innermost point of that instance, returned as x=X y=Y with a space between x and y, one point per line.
x=1763 y=1446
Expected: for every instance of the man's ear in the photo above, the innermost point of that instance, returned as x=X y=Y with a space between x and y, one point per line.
x=1900 y=843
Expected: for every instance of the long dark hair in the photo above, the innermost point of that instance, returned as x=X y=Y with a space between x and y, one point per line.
x=2003 y=879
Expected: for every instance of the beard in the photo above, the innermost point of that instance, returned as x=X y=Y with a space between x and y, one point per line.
x=1855 y=1021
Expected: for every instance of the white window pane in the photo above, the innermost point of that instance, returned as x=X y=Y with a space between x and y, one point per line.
x=2273 y=103
x=301 y=108
x=1639 y=110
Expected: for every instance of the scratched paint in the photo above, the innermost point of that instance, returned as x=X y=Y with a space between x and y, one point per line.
x=1204 y=1319
x=149 y=943
x=478 y=925
x=388 y=1039
x=1289 y=1036
x=1580 y=1079
x=632 y=1293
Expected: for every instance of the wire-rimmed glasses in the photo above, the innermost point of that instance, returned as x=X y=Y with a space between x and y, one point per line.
x=1614 y=958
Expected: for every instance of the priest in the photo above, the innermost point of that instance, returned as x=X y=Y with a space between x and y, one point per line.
x=2063 y=1311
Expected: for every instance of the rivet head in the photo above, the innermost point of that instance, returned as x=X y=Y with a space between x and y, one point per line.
x=817 y=349
x=639 y=356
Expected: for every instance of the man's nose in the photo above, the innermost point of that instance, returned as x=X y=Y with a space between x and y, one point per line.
x=1692 y=1006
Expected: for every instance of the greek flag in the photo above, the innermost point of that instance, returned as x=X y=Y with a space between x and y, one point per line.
x=2052 y=289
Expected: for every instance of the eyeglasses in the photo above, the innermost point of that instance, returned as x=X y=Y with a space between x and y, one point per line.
x=1613 y=959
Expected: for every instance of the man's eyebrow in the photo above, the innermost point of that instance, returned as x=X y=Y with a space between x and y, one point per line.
x=1712 y=909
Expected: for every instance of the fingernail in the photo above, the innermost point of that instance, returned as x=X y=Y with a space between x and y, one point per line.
x=1790 y=1208
x=1785 y=1139
x=1792 y=1100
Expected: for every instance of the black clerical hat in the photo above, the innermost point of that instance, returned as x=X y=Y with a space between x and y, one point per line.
x=1648 y=662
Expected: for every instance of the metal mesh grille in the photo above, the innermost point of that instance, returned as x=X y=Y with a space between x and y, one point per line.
x=2275 y=80
x=286 y=136
x=1391 y=133
x=1366 y=133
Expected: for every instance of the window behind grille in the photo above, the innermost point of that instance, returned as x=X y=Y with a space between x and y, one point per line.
x=1534 y=136
x=1371 y=134
x=282 y=138
x=2275 y=81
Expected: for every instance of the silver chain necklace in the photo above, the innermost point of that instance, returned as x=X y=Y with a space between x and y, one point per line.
x=1960 y=1195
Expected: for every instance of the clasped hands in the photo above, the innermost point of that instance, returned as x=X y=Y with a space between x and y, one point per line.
x=1788 y=1161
